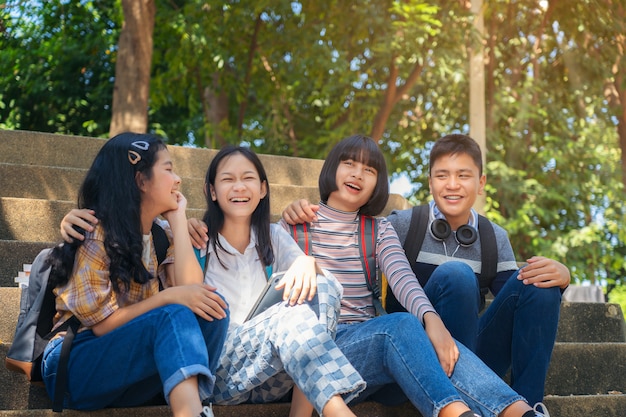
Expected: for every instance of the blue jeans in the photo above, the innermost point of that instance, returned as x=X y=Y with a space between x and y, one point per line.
x=517 y=331
x=132 y=364
x=395 y=349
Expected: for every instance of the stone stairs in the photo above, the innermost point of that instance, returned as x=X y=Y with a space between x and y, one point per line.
x=39 y=178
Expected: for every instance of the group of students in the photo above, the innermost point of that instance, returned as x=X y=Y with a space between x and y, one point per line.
x=179 y=328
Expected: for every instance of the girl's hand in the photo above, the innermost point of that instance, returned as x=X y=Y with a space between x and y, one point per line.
x=300 y=211
x=198 y=232
x=544 y=273
x=300 y=280
x=83 y=218
x=200 y=298
x=445 y=346
x=177 y=215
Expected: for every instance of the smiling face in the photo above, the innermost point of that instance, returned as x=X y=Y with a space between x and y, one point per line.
x=455 y=182
x=238 y=188
x=159 y=191
x=355 y=185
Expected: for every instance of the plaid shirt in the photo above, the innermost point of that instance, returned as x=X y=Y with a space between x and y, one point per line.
x=89 y=295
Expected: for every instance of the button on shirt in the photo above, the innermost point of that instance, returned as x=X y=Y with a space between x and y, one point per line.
x=242 y=278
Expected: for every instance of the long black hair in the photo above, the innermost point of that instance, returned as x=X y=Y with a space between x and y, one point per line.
x=111 y=190
x=214 y=215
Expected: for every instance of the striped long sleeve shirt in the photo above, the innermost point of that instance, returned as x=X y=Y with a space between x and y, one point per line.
x=335 y=246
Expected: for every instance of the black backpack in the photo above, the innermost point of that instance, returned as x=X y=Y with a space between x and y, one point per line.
x=35 y=322
x=367 y=234
x=415 y=239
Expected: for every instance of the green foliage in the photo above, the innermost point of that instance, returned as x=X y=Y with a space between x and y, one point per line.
x=293 y=78
x=618 y=296
x=56 y=69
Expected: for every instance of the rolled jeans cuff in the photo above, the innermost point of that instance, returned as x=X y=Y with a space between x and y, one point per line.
x=206 y=380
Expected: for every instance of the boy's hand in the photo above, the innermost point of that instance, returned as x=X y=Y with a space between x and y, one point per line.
x=544 y=272
x=198 y=232
x=300 y=211
x=81 y=218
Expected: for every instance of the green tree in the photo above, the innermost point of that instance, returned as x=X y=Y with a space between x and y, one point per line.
x=292 y=78
x=55 y=68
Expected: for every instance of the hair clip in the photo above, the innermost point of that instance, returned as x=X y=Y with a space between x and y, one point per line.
x=133 y=157
x=141 y=144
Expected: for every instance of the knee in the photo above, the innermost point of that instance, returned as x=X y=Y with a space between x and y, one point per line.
x=455 y=276
x=404 y=325
x=544 y=296
x=174 y=312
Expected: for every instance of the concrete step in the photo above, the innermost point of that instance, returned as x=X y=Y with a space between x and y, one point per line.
x=29 y=225
x=587 y=368
x=37 y=220
x=591 y=322
x=14 y=255
x=575 y=369
x=368 y=409
x=19 y=398
x=62 y=184
x=45 y=149
x=570 y=406
x=574 y=315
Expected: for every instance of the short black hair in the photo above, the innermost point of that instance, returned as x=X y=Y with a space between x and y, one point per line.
x=456 y=144
x=361 y=149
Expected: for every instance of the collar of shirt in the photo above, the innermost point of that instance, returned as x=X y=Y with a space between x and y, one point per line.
x=239 y=280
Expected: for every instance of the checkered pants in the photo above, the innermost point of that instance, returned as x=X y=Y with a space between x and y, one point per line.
x=262 y=358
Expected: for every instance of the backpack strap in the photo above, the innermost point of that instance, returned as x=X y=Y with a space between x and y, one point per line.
x=412 y=245
x=488 y=256
x=417 y=232
x=44 y=327
x=161 y=242
x=488 y=249
x=367 y=233
x=300 y=233
x=64 y=358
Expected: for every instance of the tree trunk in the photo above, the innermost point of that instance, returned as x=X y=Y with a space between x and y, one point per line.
x=477 y=116
x=132 y=70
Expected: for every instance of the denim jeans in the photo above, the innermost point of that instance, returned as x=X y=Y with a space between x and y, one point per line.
x=395 y=349
x=517 y=331
x=132 y=364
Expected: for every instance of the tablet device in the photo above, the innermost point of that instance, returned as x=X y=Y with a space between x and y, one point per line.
x=269 y=296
